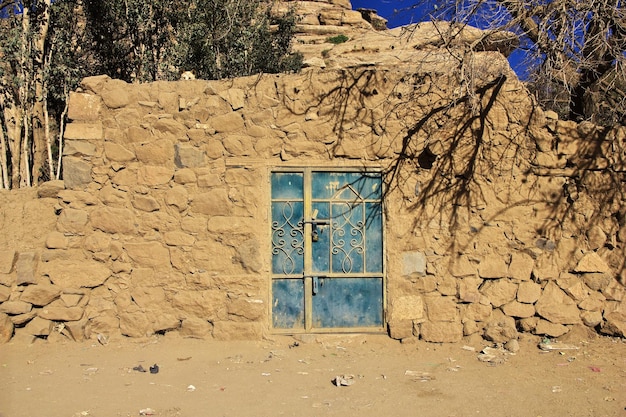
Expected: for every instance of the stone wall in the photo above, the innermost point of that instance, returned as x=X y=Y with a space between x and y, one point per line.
x=161 y=223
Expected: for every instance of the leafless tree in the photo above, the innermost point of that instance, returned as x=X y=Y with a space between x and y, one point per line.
x=574 y=51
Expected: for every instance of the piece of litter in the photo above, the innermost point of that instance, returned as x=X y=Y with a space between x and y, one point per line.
x=469 y=348
x=103 y=339
x=139 y=368
x=146 y=412
x=556 y=388
x=549 y=346
x=265 y=374
x=419 y=376
x=191 y=388
x=594 y=369
x=343 y=380
x=183 y=359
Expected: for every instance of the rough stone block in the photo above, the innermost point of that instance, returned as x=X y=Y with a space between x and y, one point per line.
x=178 y=197
x=79 y=148
x=118 y=153
x=528 y=324
x=72 y=300
x=517 y=309
x=58 y=312
x=5 y=293
x=597 y=281
x=38 y=327
x=164 y=321
x=116 y=94
x=591 y=262
x=76 y=274
x=441 y=309
x=113 y=220
x=213 y=203
x=57 y=240
x=84 y=131
x=152 y=176
x=400 y=329
x=615 y=324
x=7 y=260
x=50 y=189
x=477 y=312
x=492 y=267
x=499 y=292
x=614 y=291
x=470 y=327
x=547 y=328
x=195 y=327
x=463 y=267
x=148 y=254
x=447 y=285
x=500 y=328
x=103 y=321
x=409 y=307
x=468 y=289
x=521 y=266
x=225 y=123
x=591 y=318
x=135 y=324
x=229 y=330
x=76 y=173
x=554 y=305
x=6 y=328
x=73 y=221
x=238 y=145
x=145 y=203
x=40 y=295
x=170 y=126
x=21 y=319
x=441 y=332
x=189 y=157
x=528 y=292
x=84 y=107
x=26 y=268
x=236 y=97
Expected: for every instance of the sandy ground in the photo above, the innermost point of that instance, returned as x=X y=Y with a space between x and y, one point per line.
x=284 y=376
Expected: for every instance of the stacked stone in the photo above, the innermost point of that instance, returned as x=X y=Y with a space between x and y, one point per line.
x=496 y=297
x=162 y=220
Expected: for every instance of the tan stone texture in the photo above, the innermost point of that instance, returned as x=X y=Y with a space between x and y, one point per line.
x=162 y=220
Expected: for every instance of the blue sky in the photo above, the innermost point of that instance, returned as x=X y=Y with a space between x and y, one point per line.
x=387 y=9
x=398 y=13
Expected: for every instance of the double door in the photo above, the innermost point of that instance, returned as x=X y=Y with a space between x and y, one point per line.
x=327 y=252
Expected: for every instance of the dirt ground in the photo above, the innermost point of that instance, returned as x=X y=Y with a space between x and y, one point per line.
x=284 y=376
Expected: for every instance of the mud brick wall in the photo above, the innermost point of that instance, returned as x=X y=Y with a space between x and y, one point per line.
x=161 y=223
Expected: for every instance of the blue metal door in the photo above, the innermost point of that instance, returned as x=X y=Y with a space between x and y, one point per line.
x=327 y=255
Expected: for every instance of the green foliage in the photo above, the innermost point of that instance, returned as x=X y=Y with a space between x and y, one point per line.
x=226 y=38
x=143 y=40
x=47 y=48
x=336 y=40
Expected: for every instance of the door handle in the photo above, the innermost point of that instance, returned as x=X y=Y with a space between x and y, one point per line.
x=316 y=283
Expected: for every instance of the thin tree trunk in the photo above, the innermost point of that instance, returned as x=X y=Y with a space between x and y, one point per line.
x=46 y=119
x=15 y=146
x=24 y=174
x=38 y=114
x=61 y=130
x=3 y=160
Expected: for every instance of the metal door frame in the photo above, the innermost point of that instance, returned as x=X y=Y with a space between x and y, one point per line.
x=308 y=260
